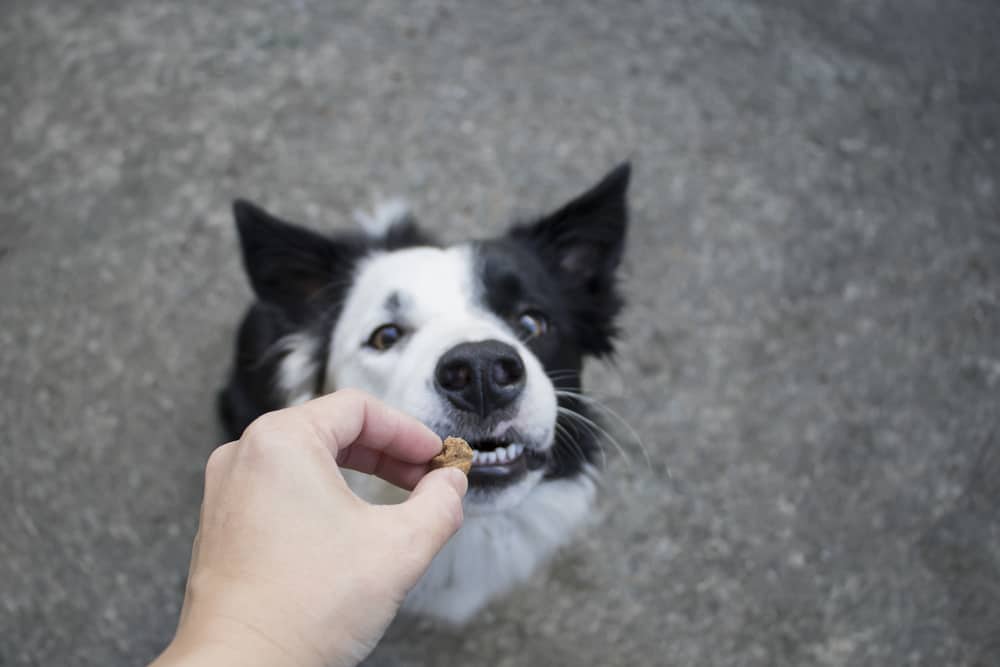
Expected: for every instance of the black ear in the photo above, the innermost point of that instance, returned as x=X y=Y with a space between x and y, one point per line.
x=289 y=266
x=582 y=243
x=585 y=238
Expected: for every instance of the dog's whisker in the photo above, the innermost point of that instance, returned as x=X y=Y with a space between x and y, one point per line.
x=585 y=428
x=589 y=400
x=568 y=373
x=590 y=393
x=571 y=442
x=597 y=430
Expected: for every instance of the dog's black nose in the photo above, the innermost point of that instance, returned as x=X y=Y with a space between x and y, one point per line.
x=480 y=377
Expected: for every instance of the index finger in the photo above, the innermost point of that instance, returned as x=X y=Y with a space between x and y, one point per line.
x=357 y=427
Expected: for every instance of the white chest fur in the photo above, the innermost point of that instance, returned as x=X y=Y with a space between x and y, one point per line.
x=493 y=552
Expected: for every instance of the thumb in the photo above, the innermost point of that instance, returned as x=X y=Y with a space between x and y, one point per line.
x=434 y=509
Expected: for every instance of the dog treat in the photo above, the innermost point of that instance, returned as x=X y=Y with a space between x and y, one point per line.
x=456 y=453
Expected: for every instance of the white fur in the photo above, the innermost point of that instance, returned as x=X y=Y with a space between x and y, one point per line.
x=386 y=213
x=297 y=371
x=492 y=553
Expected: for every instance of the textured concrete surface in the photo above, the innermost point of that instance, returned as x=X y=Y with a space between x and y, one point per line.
x=811 y=355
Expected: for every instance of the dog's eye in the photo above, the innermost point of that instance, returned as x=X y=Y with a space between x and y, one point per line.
x=532 y=324
x=385 y=337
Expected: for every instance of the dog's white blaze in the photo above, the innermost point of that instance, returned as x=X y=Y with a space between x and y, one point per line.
x=436 y=290
x=383 y=216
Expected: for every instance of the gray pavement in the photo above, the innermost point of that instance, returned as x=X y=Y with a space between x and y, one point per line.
x=811 y=355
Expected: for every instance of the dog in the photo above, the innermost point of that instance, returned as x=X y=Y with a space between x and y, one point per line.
x=483 y=339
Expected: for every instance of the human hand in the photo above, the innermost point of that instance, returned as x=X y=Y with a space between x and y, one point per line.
x=290 y=567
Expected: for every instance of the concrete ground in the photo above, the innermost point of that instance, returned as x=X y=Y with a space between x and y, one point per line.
x=811 y=355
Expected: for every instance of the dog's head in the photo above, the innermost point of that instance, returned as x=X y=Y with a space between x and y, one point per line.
x=483 y=339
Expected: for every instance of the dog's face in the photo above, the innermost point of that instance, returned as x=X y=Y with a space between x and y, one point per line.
x=418 y=331
x=477 y=339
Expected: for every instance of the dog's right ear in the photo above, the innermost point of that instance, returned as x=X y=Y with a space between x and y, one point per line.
x=289 y=266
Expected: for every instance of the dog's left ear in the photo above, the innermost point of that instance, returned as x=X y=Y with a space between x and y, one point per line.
x=585 y=238
x=583 y=243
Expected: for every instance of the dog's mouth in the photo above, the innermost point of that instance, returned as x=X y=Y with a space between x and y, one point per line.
x=498 y=462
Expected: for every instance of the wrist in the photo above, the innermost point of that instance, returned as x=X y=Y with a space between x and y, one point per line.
x=225 y=643
x=204 y=654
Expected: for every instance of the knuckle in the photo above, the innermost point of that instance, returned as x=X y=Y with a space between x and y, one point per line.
x=414 y=532
x=265 y=430
x=263 y=425
x=217 y=461
x=454 y=514
x=265 y=435
x=433 y=531
x=421 y=546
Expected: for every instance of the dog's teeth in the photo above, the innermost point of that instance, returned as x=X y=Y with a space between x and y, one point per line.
x=500 y=455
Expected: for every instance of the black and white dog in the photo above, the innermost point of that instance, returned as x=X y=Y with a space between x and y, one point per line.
x=483 y=339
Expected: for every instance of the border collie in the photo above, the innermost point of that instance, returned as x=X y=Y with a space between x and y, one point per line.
x=482 y=339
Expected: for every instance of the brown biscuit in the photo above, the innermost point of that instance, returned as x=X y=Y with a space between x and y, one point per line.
x=456 y=453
